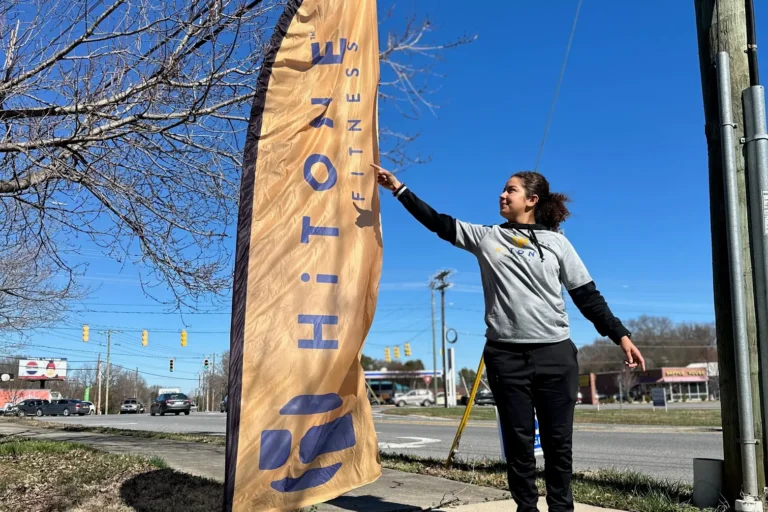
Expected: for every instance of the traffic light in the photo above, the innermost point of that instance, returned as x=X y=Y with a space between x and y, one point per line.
x=170 y=362
x=397 y=352
x=183 y=338
x=407 y=350
x=205 y=364
x=144 y=337
x=86 y=332
x=387 y=357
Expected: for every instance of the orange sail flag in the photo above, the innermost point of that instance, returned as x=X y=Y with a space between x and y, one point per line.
x=308 y=263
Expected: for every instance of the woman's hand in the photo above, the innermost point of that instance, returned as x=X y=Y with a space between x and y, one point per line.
x=632 y=354
x=386 y=179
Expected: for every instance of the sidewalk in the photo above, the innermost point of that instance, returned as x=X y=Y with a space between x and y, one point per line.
x=395 y=491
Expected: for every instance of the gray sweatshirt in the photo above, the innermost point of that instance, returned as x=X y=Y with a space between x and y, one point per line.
x=523 y=268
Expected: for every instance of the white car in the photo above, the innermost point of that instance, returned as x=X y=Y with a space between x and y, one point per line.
x=422 y=397
x=131 y=406
x=93 y=407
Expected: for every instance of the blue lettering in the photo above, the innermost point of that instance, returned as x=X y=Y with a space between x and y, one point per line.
x=317 y=341
x=328 y=438
x=351 y=98
x=357 y=197
x=308 y=230
x=275 y=449
x=329 y=57
x=355 y=151
x=354 y=127
x=352 y=72
x=321 y=120
x=357 y=173
x=352 y=47
x=319 y=159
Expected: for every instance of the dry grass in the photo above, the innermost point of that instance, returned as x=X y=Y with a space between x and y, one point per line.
x=672 y=417
x=620 y=490
x=144 y=434
x=47 y=476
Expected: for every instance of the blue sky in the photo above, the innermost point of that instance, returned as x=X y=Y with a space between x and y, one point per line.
x=626 y=144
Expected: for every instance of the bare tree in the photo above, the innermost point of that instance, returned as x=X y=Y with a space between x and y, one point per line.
x=30 y=294
x=121 y=126
x=662 y=342
x=627 y=380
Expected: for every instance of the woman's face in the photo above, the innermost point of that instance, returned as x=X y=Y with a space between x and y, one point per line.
x=512 y=201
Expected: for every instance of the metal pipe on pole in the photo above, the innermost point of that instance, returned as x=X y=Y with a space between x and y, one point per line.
x=750 y=499
x=756 y=144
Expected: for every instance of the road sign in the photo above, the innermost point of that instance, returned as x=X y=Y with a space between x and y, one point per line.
x=427 y=379
x=537 y=450
x=659 y=396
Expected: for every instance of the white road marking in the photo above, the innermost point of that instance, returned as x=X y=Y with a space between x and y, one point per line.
x=418 y=443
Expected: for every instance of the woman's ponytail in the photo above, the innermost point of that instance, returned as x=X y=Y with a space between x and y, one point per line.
x=550 y=211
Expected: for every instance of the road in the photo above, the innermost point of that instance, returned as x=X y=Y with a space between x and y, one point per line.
x=661 y=452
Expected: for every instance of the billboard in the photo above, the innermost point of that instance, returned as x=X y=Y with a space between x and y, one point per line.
x=43 y=369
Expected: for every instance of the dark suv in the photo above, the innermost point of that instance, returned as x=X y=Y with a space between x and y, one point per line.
x=175 y=403
x=29 y=407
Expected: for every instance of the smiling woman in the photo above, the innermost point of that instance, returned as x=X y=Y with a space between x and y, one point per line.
x=531 y=359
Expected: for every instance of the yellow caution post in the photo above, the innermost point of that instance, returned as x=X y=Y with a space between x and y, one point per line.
x=467 y=412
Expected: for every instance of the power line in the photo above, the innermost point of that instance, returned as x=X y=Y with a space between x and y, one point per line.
x=557 y=89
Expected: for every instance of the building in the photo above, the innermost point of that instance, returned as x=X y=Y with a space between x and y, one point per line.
x=689 y=383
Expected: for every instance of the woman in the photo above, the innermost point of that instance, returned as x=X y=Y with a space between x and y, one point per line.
x=530 y=358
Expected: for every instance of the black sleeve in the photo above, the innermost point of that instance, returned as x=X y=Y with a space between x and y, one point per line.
x=443 y=225
x=594 y=308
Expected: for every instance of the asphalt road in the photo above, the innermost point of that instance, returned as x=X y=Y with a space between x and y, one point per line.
x=662 y=452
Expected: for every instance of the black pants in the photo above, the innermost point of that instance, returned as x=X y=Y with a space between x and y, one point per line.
x=545 y=377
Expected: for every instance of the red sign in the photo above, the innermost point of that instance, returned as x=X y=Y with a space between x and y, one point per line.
x=427 y=379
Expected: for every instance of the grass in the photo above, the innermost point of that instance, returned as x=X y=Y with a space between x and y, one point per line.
x=54 y=475
x=144 y=434
x=672 y=417
x=139 y=479
x=606 y=488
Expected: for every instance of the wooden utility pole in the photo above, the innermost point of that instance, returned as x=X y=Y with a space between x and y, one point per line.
x=721 y=26
x=98 y=376
x=442 y=284
x=432 y=286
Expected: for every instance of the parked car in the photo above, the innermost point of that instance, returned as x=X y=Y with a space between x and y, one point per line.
x=484 y=397
x=579 y=398
x=6 y=410
x=175 y=403
x=65 y=407
x=131 y=406
x=422 y=397
x=91 y=407
x=29 y=407
x=224 y=405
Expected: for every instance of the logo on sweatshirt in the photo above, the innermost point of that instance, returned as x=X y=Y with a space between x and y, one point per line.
x=520 y=241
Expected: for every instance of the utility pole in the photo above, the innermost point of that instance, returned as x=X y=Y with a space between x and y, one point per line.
x=213 y=374
x=98 y=377
x=136 y=393
x=442 y=285
x=432 y=285
x=721 y=26
x=108 y=332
